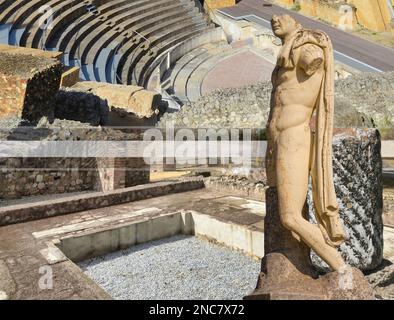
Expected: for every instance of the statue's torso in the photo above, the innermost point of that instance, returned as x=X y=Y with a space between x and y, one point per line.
x=294 y=95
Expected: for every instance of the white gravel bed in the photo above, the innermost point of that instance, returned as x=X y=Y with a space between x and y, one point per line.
x=180 y=267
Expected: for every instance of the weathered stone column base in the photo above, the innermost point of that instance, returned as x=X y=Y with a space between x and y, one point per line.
x=282 y=281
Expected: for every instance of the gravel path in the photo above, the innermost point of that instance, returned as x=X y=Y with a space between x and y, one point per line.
x=180 y=267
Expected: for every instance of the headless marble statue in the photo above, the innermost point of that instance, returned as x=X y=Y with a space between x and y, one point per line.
x=303 y=94
x=303 y=85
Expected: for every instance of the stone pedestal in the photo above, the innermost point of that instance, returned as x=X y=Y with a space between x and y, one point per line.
x=287 y=272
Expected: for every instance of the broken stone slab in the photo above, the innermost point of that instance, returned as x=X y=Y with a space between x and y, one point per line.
x=357 y=166
x=125 y=98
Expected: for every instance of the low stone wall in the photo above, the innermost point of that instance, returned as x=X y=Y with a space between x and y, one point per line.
x=28 y=86
x=23 y=177
x=362 y=100
x=57 y=207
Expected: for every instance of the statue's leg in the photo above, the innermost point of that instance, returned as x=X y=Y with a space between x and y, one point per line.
x=292 y=183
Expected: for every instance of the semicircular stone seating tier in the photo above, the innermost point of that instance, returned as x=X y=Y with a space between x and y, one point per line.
x=118 y=41
x=97 y=49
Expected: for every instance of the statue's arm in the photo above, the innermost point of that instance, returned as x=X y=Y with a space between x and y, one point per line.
x=311 y=58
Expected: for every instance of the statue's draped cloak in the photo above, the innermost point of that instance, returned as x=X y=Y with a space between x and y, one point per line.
x=326 y=205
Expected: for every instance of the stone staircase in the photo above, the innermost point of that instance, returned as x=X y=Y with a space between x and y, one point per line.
x=110 y=40
x=184 y=81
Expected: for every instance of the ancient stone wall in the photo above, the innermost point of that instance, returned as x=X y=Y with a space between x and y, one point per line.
x=81 y=106
x=28 y=86
x=117 y=173
x=28 y=176
x=362 y=100
x=21 y=177
x=335 y=12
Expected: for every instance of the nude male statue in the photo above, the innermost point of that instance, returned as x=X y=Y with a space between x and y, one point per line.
x=303 y=85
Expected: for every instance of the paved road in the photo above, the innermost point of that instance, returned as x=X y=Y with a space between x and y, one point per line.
x=350 y=49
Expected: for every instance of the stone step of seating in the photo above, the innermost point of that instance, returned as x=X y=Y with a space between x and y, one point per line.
x=42 y=29
x=73 y=29
x=5 y=33
x=101 y=63
x=179 y=86
x=90 y=33
x=142 y=65
x=111 y=68
x=170 y=76
x=7 y=15
x=117 y=43
x=20 y=16
x=173 y=73
x=68 y=17
x=15 y=37
x=194 y=83
x=165 y=61
x=89 y=73
x=132 y=54
x=164 y=21
x=102 y=32
x=34 y=19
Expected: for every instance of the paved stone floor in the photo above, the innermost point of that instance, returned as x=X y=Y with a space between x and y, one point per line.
x=244 y=68
x=23 y=262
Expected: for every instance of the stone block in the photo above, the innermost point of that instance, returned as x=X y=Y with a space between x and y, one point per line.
x=28 y=86
x=70 y=77
x=123 y=98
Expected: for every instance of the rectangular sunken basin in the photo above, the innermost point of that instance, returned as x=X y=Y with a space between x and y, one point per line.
x=180 y=255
